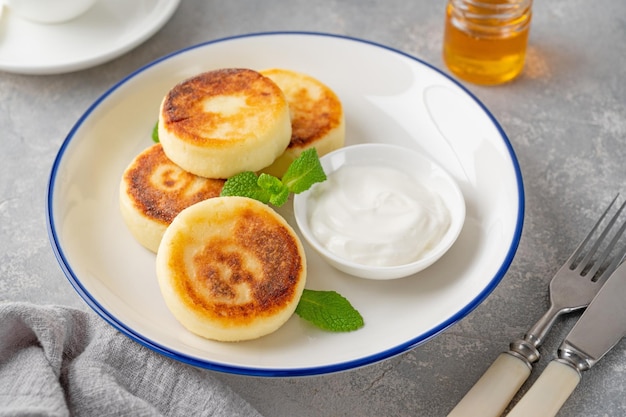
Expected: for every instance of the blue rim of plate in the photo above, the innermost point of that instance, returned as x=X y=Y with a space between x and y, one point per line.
x=291 y=372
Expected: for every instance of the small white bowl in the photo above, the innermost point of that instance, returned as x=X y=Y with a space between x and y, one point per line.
x=419 y=167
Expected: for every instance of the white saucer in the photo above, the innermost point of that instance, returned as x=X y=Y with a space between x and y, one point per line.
x=106 y=31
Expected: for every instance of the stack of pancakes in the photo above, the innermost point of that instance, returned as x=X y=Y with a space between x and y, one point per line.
x=229 y=268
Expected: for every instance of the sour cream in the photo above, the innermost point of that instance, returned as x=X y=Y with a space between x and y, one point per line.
x=377 y=215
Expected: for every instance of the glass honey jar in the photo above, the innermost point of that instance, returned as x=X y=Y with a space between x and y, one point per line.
x=485 y=40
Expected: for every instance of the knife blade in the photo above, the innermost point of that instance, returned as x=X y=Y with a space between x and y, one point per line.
x=598 y=330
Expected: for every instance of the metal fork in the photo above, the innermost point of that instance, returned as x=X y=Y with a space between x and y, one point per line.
x=572 y=288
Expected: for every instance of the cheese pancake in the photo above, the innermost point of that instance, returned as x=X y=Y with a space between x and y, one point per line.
x=153 y=190
x=231 y=269
x=223 y=122
x=317 y=118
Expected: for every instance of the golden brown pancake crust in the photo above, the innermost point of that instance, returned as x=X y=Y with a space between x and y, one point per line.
x=235 y=279
x=312 y=117
x=185 y=116
x=161 y=189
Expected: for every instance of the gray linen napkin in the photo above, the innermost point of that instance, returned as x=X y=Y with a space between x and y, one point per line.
x=58 y=361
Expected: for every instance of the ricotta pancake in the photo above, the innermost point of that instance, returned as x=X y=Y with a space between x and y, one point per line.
x=153 y=190
x=317 y=118
x=231 y=269
x=223 y=122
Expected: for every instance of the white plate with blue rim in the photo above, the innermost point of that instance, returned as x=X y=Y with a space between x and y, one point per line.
x=388 y=97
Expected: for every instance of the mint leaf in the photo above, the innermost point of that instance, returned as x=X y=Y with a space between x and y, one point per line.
x=270 y=183
x=328 y=310
x=279 y=194
x=280 y=198
x=304 y=171
x=155 y=132
x=245 y=184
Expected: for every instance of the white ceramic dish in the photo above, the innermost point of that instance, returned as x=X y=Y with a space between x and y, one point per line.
x=422 y=170
x=388 y=96
x=106 y=31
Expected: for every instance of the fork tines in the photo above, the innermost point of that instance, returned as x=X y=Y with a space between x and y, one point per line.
x=605 y=254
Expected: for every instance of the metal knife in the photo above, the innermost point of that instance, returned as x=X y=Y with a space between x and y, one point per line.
x=599 y=329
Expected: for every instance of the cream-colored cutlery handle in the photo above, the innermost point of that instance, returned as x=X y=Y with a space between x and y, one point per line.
x=548 y=393
x=495 y=389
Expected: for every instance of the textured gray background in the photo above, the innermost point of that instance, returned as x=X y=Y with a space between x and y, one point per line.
x=566 y=119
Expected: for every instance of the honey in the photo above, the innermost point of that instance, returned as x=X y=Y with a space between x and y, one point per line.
x=485 y=40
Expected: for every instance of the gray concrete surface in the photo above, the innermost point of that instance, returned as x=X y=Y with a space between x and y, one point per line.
x=566 y=119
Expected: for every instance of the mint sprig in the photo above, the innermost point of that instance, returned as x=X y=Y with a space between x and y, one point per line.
x=329 y=311
x=246 y=184
x=303 y=172
x=155 y=132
